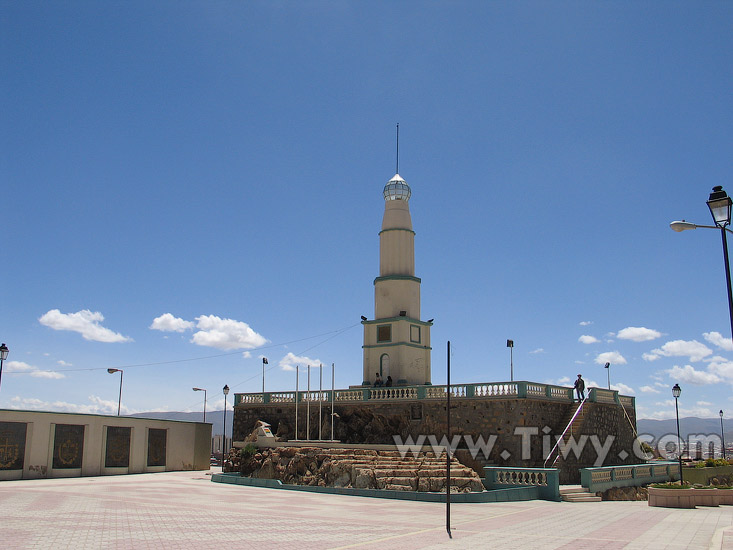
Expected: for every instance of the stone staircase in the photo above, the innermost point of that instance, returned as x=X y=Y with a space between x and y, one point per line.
x=389 y=470
x=577 y=493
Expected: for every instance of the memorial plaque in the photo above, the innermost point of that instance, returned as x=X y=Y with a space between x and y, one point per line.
x=156 y=447
x=117 y=454
x=68 y=446
x=12 y=445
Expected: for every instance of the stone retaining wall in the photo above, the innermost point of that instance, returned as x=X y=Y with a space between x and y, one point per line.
x=379 y=422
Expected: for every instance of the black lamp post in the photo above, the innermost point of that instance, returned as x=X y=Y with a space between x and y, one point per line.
x=3 y=356
x=722 y=433
x=719 y=204
x=119 y=401
x=607 y=366
x=203 y=390
x=676 y=391
x=224 y=435
x=510 y=345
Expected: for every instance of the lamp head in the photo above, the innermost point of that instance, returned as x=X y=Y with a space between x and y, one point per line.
x=682 y=226
x=721 y=413
x=676 y=391
x=4 y=352
x=226 y=390
x=510 y=343
x=606 y=365
x=112 y=371
x=720 y=205
x=199 y=389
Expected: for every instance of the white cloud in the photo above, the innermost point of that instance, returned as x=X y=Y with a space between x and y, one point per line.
x=721 y=367
x=536 y=351
x=623 y=389
x=84 y=322
x=613 y=357
x=246 y=355
x=650 y=356
x=290 y=361
x=585 y=323
x=96 y=406
x=226 y=334
x=168 y=323
x=19 y=367
x=691 y=376
x=638 y=334
x=717 y=339
x=648 y=389
x=586 y=339
x=703 y=404
x=683 y=348
x=63 y=363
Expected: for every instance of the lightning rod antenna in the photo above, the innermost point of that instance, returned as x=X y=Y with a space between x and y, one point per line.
x=398 y=148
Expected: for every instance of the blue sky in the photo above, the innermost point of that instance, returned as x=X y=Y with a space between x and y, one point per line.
x=215 y=169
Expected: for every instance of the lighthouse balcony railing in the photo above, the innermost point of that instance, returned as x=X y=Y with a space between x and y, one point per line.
x=485 y=390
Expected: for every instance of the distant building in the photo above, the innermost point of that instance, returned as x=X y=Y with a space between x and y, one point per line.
x=396 y=341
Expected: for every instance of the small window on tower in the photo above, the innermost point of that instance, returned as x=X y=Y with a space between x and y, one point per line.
x=415 y=334
x=384 y=333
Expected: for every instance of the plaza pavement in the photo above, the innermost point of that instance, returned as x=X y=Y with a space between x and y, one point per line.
x=186 y=510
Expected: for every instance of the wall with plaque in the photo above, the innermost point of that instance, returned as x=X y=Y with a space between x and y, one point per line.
x=12 y=445
x=39 y=444
x=157 y=440
x=117 y=448
x=68 y=446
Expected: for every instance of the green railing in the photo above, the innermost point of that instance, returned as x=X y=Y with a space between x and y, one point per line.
x=498 y=390
x=633 y=475
x=545 y=480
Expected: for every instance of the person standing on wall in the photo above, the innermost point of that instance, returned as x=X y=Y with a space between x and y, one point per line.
x=580 y=388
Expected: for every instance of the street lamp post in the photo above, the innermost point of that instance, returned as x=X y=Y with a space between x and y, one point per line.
x=3 y=356
x=119 y=401
x=719 y=204
x=722 y=433
x=203 y=390
x=676 y=391
x=225 y=390
x=607 y=366
x=510 y=345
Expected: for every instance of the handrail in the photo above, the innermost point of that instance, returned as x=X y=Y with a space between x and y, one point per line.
x=559 y=439
x=633 y=428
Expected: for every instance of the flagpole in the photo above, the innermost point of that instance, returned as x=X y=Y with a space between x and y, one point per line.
x=320 y=404
x=297 y=387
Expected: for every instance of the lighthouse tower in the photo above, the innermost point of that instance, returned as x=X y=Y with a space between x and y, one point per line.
x=397 y=342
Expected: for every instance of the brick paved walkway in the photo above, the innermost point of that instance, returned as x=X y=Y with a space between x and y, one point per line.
x=185 y=510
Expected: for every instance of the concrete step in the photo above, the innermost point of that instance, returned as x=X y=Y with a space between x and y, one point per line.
x=577 y=493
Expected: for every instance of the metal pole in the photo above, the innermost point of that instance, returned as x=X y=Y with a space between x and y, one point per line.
x=447 y=452
x=204 y=405
x=727 y=278
x=297 y=387
x=511 y=362
x=263 y=379
x=609 y=377
x=722 y=433
x=119 y=401
x=333 y=392
x=1 y=369
x=320 y=405
x=224 y=435
x=308 y=408
x=679 y=440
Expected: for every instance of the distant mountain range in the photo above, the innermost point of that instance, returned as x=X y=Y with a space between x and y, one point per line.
x=656 y=428
x=215 y=418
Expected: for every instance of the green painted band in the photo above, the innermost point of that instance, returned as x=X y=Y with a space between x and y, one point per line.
x=392 y=344
x=397 y=319
x=396 y=229
x=397 y=278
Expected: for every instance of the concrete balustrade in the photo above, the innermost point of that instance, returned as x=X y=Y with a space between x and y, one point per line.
x=499 y=390
x=602 y=479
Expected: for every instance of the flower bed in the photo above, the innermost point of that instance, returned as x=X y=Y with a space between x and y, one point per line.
x=685 y=497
